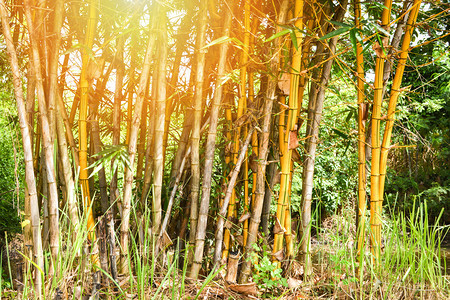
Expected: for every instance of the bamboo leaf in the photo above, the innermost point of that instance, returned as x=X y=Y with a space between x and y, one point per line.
x=382 y=30
x=335 y=33
x=349 y=116
x=341 y=24
x=217 y=41
x=294 y=39
x=278 y=34
x=340 y=133
x=353 y=39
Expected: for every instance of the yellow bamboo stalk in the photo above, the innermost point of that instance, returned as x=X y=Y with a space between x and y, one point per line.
x=375 y=201
x=395 y=92
x=82 y=122
x=240 y=111
x=361 y=135
x=294 y=104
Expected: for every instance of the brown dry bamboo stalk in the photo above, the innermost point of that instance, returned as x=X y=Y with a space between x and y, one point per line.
x=159 y=126
x=131 y=77
x=28 y=153
x=68 y=128
x=315 y=107
x=209 y=154
x=47 y=142
x=270 y=98
x=30 y=100
x=182 y=37
x=195 y=135
x=54 y=43
x=67 y=171
x=149 y=161
x=118 y=97
x=228 y=195
x=132 y=145
x=244 y=74
x=95 y=130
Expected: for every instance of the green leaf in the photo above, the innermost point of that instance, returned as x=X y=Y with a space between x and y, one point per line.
x=294 y=39
x=278 y=34
x=349 y=116
x=341 y=24
x=340 y=133
x=220 y=40
x=335 y=33
x=382 y=30
x=353 y=39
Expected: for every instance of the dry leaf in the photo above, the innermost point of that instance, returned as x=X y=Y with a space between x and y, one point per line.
x=293 y=139
x=278 y=228
x=379 y=51
x=246 y=289
x=244 y=217
x=277 y=177
x=284 y=83
x=279 y=255
x=296 y=157
x=241 y=120
x=165 y=240
x=296 y=269
x=240 y=240
x=228 y=224
x=294 y=283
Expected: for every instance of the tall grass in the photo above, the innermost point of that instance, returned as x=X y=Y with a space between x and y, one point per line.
x=411 y=263
x=151 y=277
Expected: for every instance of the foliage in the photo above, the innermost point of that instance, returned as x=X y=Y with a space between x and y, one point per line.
x=9 y=156
x=268 y=275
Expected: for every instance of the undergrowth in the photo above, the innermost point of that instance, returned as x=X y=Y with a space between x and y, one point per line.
x=411 y=266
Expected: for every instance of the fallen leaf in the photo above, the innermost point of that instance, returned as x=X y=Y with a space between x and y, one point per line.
x=279 y=255
x=294 y=283
x=246 y=289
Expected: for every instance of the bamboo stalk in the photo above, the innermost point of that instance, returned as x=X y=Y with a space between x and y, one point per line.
x=227 y=200
x=270 y=98
x=294 y=103
x=395 y=92
x=159 y=127
x=195 y=135
x=375 y=199
x=362 y=206
x=47 y=143
x=209 y=155
x=28 y=153
x=132 y=145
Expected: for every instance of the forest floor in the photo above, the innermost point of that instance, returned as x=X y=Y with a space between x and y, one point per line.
x=335 y=275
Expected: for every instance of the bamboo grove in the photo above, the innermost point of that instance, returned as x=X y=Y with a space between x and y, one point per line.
x=175 y=119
